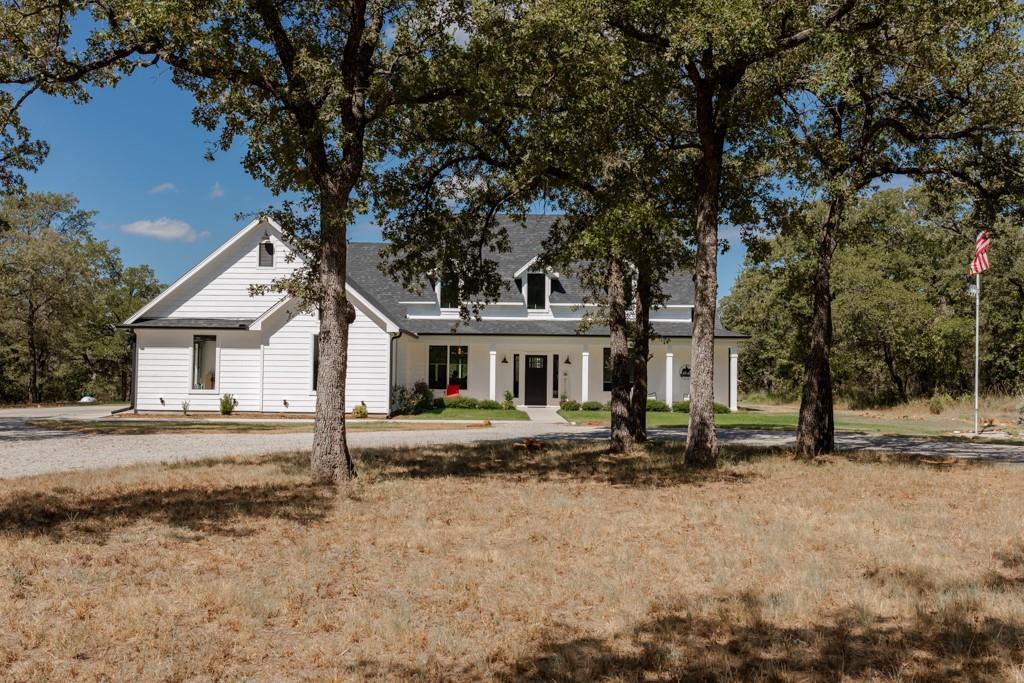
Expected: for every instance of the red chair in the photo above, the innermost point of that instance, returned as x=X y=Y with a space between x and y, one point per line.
x=452 y=390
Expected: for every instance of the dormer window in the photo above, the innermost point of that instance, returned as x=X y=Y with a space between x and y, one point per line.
x=536 y=292
x=266 y=253
x=448 y=296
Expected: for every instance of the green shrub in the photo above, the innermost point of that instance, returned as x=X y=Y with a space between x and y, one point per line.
x=684 y=407
x=509 y=402
x=360 y=411
x=592 y=405
x=569 y=404
x=938 y=403
x=489 y=405
x=1020 y=413
x=656 y=406
x=461 y=402
x=413 y=401
x=227 y=404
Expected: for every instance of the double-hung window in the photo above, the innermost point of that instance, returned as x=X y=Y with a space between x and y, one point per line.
x=447 y=365
x=204 y=362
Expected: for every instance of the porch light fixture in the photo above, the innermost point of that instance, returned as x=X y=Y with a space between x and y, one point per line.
x=684 y=371
x=504 y=360
x=567 y=361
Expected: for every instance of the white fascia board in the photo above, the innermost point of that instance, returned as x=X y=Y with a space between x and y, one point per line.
x=270 y=225
x=258 y=323
x=525 y=267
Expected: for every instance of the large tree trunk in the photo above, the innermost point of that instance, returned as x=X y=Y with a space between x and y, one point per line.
x=641 y=354
x=331 y=460
x=816 y=430
x=34 y=359
x=621 y=440
x=701 y=441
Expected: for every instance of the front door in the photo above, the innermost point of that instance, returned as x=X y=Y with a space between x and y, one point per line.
x=536 y=380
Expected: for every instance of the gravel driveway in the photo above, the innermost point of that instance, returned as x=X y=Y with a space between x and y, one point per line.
x=31 y=450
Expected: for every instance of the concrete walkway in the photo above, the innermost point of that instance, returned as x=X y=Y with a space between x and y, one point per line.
x=547 y=415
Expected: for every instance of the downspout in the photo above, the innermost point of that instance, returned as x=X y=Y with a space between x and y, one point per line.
x=391 y=368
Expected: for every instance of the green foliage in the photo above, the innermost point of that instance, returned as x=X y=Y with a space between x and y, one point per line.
x=681 y=407
x=488 y=404
x=461 y=402
x=185 y=406
x=569 y=404
x=62 y=293
x=227 y=404
x=938 y=403
x=593 y=405
x=903 y=321
x=721 y=409
x=359 y=411
x=656 y=406
x=414 y=400
x=509 y=401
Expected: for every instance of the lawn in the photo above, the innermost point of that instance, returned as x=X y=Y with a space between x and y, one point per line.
x=467 y=414
x=139 y=426
x=889 y=423
x=494 y=564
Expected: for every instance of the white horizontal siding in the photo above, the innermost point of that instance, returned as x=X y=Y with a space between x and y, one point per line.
x=221 y=289
x=288 y=364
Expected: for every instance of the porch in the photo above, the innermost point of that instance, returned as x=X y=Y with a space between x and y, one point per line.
x=540 y=370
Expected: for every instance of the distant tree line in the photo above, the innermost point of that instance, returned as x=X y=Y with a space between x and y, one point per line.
x=902 y=318
x=646 y=123
x=62 y=294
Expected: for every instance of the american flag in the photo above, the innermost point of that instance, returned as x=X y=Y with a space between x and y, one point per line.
x=981 y=247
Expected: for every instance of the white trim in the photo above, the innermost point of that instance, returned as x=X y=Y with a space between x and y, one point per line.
x=525 y=267
x=271 y=224
x=192 y=366
x=257 y=324
x=389 y=324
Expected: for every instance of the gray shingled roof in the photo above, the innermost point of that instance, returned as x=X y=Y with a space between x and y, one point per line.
x=196 y=323
x=525 y=239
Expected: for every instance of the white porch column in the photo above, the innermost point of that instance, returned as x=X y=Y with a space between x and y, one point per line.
x=734 y=366
x=585 y=374
x=493 y=390
x=669 y=374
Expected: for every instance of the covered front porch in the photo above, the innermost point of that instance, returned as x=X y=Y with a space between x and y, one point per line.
x=539 y=370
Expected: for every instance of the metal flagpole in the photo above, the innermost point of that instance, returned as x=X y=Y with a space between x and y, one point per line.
x=977 y=344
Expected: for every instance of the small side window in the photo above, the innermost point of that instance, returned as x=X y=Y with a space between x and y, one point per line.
x=316 y=358
x=204 y=362
x=266 y=254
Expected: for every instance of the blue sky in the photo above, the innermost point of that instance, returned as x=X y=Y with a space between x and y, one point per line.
x=133 y=155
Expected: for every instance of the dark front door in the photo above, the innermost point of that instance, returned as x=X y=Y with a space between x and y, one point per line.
x=536 y=380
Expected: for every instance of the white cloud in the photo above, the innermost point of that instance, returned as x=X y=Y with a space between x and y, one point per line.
x=216 y=192
x=168 y=229
x=163 y=187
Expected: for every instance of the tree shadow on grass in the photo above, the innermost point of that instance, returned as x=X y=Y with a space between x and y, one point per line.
x=655 y=465
x=64 y=513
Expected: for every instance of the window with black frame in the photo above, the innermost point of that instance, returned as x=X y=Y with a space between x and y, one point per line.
x=536 y=292
x=458 y=366
x=449 y=296
x=437 y=367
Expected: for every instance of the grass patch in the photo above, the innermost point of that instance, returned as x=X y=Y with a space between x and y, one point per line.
x=490 y=563
x=138 y=426
x=882 y=424
x=467 y=414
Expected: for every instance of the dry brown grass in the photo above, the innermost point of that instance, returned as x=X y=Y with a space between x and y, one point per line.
x=496 y=564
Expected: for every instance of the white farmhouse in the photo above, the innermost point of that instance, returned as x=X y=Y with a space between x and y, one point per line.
x=205 y=336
